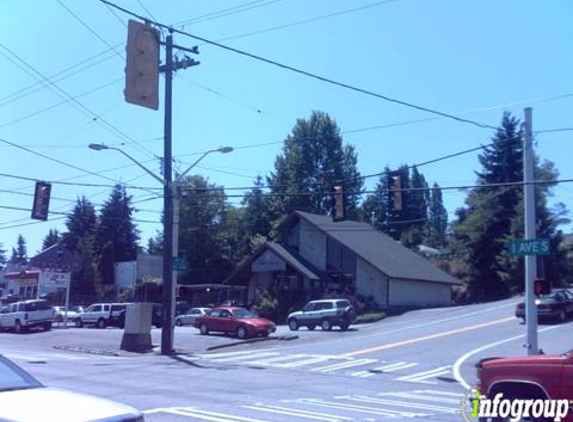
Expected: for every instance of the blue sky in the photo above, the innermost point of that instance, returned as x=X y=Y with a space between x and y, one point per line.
x=472 y=58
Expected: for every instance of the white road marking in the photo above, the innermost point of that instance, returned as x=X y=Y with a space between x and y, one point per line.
x=343 y=365
x=422 y=376
x=361 y=409
x=246 y=357
x=407 y=404
x=298 y=413
x=203 y=414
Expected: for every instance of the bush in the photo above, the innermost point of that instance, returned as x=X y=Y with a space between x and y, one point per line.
x=266 y=304
x=369 y=317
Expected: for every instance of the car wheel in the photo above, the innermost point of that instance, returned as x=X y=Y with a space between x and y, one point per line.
x=100 y=323
x=79 y=323
x=344 y=325
x=293 y=324
x=241 y=332
x=326 y=325
x=18 y=327
x=178 y=323
x=311 y=327
x=47 y=326
x=203 y=329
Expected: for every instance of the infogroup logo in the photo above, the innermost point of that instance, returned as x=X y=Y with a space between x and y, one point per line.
x=476 y=407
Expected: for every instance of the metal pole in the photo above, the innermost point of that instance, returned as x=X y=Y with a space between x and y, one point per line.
x=67 y=303
x=176 y=202
x=167 y=328
x=530 y=233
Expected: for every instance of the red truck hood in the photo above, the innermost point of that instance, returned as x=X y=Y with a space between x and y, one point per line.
x=525 y=360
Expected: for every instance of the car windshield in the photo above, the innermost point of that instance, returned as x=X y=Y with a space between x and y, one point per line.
x=38 y=305
x=14 y=378
x=244 y=313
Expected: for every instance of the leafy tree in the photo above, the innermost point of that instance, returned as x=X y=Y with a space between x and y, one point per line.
x=313 y=161
x=80 y=222
x=52 y=238
x=20 y=252
x=115 y=226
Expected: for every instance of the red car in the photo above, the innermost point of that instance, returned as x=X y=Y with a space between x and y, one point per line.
x=232 y=320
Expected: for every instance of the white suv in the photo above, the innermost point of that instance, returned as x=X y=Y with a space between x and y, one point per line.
x=326 y=313
x=100 y=314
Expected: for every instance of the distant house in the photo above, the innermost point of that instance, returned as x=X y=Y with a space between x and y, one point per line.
x=319 y=254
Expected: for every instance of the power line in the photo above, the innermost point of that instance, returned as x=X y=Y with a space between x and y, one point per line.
x=308 y=74
x=565 y=129
x=77 y=104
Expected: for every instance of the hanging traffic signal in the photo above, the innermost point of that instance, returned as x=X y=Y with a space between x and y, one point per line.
x=339 y=204
x=41 y=201
x=395 y=186
x=142 y=65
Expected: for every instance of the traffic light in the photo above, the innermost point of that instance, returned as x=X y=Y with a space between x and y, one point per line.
x=339 y=204
x=41 y=201
x=542 y=287
x=395 y=186
x=142 y=65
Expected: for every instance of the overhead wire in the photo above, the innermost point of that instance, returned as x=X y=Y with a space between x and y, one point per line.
x=306 y=73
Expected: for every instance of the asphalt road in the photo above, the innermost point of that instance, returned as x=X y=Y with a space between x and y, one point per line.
x=414 y=365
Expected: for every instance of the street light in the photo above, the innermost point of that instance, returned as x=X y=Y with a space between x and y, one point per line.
x=168 y=284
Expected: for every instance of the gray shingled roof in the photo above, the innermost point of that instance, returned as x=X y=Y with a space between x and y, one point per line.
x=379 y=249
x=294 y=260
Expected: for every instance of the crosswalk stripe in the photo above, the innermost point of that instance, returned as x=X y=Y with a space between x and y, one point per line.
x=442 y=393
x=310 y=361
x=421 y=376
x=209 y=416
x=293 y=412
x=409 y=404
x=306 y=412
x=229 y=354
x=362 y=409
x=273 y=360
x=424 y=397
x=344 y=365
x=246 y=357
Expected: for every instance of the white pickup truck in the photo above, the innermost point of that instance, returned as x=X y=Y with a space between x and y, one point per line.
x=20 y=316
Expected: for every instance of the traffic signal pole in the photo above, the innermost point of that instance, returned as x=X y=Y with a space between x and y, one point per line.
x=530 y=233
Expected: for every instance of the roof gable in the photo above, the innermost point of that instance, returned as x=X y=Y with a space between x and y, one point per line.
x=379 y=249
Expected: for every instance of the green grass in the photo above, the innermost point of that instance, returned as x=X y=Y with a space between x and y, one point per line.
x=370 y=317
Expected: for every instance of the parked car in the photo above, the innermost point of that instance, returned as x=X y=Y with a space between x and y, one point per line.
x=527 y=378
x=71 y=314
x=190 y=317
x=557 y=305
x=24 y=399
x=326 y=313
x=101 y=315
x=156 y=316
x=232 y=320
x=20 y=316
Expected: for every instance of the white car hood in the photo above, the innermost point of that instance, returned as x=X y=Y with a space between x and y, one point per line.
x=54 y=405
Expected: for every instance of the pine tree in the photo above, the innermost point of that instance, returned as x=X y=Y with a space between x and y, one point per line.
x=81 y=223
x=115 y=225
x=257 y=217
x=52 y=238
x=437 y=219
x=313 y=161
x=20 y=252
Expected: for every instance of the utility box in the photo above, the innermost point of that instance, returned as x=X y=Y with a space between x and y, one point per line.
x=137 y=331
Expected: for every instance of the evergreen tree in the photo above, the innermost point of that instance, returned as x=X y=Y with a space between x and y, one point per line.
x=3 y=258
x=115 y=226
x=80 y=222
x=313 y=161
x=85 y=279
x=20 y=252
x=415 y=215
x=437 y=219
x=490 y=212
x=52 y=238
x=256 y=218
x=375 y=209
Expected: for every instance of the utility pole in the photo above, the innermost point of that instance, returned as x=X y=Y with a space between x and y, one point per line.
x=167 y=328
x=530 y=233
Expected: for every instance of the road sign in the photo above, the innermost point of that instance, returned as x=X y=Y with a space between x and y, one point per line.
x=522 y=247
x=179 y=264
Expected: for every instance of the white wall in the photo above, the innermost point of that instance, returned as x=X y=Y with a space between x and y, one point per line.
x=371 y=282
x=125 y=273
x=312 y=245
x=419 y=293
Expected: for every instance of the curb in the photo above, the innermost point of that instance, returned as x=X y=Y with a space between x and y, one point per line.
x=253 y=340
x=89 y=351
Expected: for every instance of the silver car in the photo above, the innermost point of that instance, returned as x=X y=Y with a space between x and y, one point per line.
x=25 y=399
x=190 y=317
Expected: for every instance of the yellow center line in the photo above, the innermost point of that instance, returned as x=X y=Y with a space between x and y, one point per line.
x=429 y=337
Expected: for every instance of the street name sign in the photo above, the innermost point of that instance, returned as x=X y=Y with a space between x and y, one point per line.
x=522 y=247
x=179 y=264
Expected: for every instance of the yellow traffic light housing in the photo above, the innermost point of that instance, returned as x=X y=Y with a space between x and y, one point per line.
x=339 y=204
x=142 y=65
